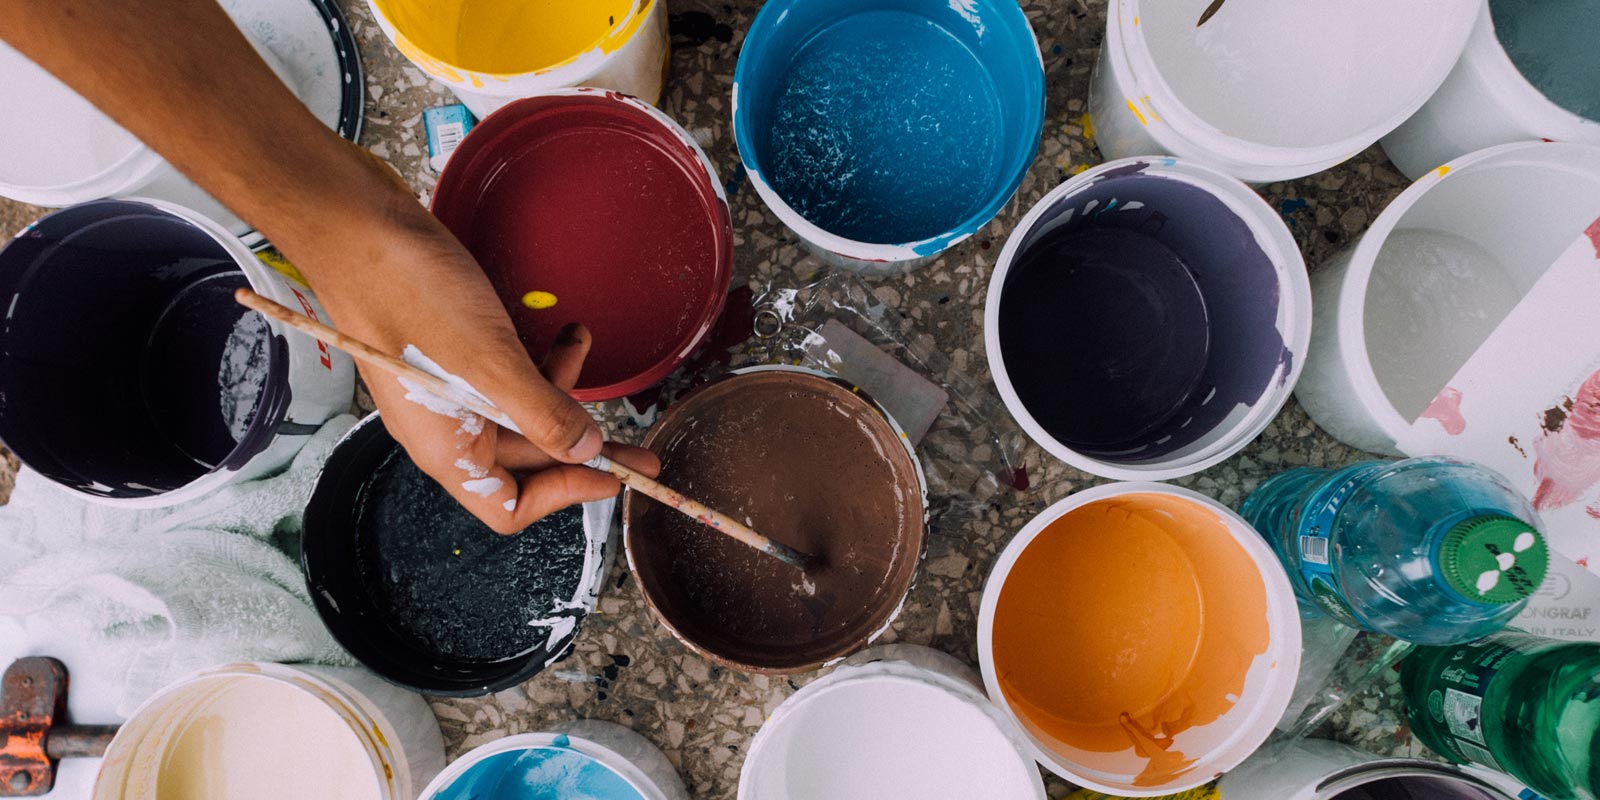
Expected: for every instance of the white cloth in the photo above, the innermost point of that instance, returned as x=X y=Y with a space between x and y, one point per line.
x=132 y=600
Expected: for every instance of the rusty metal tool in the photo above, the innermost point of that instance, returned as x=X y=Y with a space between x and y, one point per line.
x=34 y=730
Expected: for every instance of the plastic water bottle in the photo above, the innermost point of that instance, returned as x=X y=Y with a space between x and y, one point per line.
x=1429 y=550
x=1523 y=704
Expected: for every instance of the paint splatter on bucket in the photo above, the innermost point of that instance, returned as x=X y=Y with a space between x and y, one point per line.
x=132 y=375
x=491 y=52
x=891 y=721
x=587 y=759
x=807 y=461
x=1143 y=636
x=429 y=597
x=884 y=132
x=605 y=206
x=1145 y=318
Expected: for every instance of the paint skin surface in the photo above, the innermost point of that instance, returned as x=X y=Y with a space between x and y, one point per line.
x=1552 y=42
x=505 y=37
x=1125 y=623
x=540 y=773
x=1105 y=334
x=445 y=582
x=886 y=130
x=602 y=211
x=263 y=740
x=807 y=463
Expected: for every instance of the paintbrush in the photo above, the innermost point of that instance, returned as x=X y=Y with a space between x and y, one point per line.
x=365 y=353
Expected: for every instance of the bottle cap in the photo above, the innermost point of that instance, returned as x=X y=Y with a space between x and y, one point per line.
x=1493 y=559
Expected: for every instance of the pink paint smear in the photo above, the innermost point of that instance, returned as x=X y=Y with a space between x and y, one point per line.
x=1447 y=409
x=1568 y=463
x=1593 y=232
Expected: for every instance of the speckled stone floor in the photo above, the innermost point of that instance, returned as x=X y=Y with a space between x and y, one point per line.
x=626 y=668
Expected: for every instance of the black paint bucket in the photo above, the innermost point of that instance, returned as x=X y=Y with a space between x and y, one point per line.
x=428 y=597
x=128 y=374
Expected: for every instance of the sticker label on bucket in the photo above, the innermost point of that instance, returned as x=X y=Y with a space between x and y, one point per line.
x=446 y=126
x=1315 y=562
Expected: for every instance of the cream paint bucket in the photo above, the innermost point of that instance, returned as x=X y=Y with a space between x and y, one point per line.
x=1313 y=769
x=132 y=376
x=1485 y=101
x=490 y=52
x=1143 y=637
x=586 y=759
x=891 y=721
x=1406 y=306
x=245 y=731
x=62 y=150
x=1268 y=90
x=1147 y=319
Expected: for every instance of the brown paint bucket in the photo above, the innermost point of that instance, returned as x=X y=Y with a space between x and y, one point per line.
x=809 y=461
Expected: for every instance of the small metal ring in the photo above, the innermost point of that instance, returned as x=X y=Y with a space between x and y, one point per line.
x=767 y=324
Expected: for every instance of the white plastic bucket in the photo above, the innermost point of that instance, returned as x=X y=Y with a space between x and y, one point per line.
x=1313 y=769
x=631 y=57
x=1239 y=257
x=65 y=151
x=1485 y=101
x=590 y=750
x=267 y=728
x=1268 y=90
x=65 y=423
x=1179 y=754
x=891 y=721
x=1458 y=248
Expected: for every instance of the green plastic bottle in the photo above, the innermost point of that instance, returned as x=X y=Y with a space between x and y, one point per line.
x=1523 y=704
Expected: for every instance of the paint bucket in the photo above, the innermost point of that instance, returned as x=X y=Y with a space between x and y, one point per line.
x=1313 y=769
x=1488 y=99
x=491 y=52
x=68 y=152
x=585 y=758
x=132 y=377
x=1265 y=90
x=809 y=461
x=1143 y=636
x=883 y=132
x=587 y=206
x=255 y=731
x=892 y=721
x=427 y=596
x=1408 y=304
x=1147 y=319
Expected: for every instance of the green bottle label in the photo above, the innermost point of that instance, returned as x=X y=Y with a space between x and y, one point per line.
x=1456 y=692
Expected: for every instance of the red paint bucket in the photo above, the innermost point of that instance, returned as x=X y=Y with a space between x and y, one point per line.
x=600 y=204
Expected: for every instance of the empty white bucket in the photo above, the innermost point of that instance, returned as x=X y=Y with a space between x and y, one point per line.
x=1485 y=101
x=1401 y=310
x=1268 y=90
x=585 y=758
x=257 y=731
x=891 y=721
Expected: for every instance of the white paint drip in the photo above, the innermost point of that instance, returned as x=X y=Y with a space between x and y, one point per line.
x=511 y=505
x=471 y=423
x=483 y=487
x=1488 y=580
x=472 y=470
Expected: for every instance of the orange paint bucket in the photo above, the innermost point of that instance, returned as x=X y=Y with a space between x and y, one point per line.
x=1142 y=636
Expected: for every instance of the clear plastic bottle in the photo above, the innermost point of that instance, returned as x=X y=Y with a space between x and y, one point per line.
x=1430 y=550
x=1523 y=704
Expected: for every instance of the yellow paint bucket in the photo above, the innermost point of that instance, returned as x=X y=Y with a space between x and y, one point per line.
x=490 y=52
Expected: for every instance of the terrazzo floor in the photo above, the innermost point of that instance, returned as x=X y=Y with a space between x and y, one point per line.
x=626 y=668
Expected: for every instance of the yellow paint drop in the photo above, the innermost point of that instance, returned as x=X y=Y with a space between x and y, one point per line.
x=1443 y=170
x=1081 y=168
x=1086 y=122
x=539 y=301
x=507 y=37
x=1137 y=112
x=272 y=259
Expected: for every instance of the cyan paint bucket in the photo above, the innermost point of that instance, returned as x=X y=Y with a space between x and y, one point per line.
x=491 y=52
x=1267 y=90
x=586 y=759
x=1147 y=319
x=132 y=377
x=588 y=206
x=1530 y=71
x=426 y=595
x=884 y=131
x=254 y=731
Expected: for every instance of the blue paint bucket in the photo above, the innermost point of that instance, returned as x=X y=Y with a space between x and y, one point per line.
x=587 y=759
x=1147 y=319
x=882 y=132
